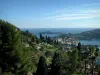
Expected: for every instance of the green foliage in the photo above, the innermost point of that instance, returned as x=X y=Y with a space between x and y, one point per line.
x=79 y=46
x=89 y=35
x=10 y=47
x=75 y=57
x=58 y=66
x=49 y=53
x=97 y=52
x=29 y=38
x=20 y=52
x=42 y=67
x=79 y=50
x=55 y=66
x=93 y=51
x=48 y=40
x=15 y=58
x=28 y=61
x=42 y=48
x=78 y=74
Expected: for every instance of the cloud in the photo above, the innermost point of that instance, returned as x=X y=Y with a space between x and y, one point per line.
x=81 y=14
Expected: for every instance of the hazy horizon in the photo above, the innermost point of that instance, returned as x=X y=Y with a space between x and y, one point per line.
x=59 y=28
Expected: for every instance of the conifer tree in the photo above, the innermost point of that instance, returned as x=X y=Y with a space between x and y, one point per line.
x=10 y=45
x=42 y=67
x=79 y=50
x=55 y=66
x=75 y=57
x=41 y=37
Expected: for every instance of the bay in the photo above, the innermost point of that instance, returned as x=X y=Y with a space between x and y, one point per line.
x=36 y=32
x=90 y=42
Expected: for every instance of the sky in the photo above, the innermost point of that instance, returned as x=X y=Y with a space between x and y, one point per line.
x=51 y=13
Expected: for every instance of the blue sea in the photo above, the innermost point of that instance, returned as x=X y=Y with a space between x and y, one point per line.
x=63 y=30
x=90 y=42
x=36 y=32
x=98 y=61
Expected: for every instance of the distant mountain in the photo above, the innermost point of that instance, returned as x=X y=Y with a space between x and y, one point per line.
x=50 y=32
x=89 y=35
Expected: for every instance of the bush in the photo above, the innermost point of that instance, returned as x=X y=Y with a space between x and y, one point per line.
x=49 y=53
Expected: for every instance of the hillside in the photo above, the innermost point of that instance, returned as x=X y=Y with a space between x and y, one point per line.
x=21 y=50
x=89 y=35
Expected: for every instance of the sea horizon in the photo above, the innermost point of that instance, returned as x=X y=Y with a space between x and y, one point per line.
x=37 y=31
x=63 y=30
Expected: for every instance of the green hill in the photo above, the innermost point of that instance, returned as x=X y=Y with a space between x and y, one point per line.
x=89 y=35
x=21 y=50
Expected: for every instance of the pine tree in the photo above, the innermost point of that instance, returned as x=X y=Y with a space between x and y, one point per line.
x=41 y=37
x=42 y=67
x=75 y=57
x=79 y=50
x=93 y=52
x=10 y=44
x=55 y=66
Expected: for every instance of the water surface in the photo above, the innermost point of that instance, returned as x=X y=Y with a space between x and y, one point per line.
x=90 y=42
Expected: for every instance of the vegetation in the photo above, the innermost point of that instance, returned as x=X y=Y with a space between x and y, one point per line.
x=48 y=40
x=87 y=35
x=75 y=57
x=42 y=67
x=22 y=53
x=15 y=58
